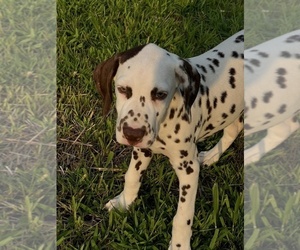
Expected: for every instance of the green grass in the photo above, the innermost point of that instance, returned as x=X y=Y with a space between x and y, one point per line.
x=27 y=125
x=272 y=211
x=91 y=164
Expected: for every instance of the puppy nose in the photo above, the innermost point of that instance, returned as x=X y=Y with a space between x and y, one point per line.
x=134 y=135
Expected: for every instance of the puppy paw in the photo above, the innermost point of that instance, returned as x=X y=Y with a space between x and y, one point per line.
x=119 y=202
x=208 y=157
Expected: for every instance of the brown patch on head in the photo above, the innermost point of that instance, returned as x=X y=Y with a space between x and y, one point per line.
x=106 y=71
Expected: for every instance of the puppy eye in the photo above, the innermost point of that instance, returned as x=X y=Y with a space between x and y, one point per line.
x=125 y=91
x=161 y=95
x=158 y=95
x=122 y=90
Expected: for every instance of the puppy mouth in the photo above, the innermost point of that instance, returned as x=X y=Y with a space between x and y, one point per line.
x=133 y=135
x=134 y=143
x=139 y=143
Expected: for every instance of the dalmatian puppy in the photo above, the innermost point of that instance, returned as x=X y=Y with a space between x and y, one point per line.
x=272 y=96
x=165 y=105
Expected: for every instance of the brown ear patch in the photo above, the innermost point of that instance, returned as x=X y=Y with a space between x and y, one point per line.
x=103 y=76
x=105 y=72
x=124 y=56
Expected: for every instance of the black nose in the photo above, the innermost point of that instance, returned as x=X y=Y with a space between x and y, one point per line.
x=133 y=135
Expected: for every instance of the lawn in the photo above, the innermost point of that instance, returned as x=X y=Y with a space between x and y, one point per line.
x=91 y=164
x=27 y=124
x=272 y=196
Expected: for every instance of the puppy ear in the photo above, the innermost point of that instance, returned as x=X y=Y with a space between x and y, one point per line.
x=105 y=72
x=103 y=76
x=189 y=83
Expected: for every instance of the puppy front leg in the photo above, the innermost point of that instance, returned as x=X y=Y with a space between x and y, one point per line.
x=140 y=160
x=188 y=174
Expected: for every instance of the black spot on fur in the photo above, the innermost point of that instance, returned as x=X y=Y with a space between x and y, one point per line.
x=293 y=38
x=177 y=127
x=285 y=54
x=200 y=102
x=224 y=115
x=232 y=81
x=184 y=153
x=209 y=108
x=216 y=62
x=137 y=165
x=203 y=69
x=212 y=68
x=255 y=62
x=235 y=54
x=188 y=139
x=267 y=96
x=147 y=152
x=180 y=111
x=253 y=102
x=239 y=39
x=184 y=188
x=160 y=140
x=232 y=110
x=131 y=112
x=215 y=102
x=269 y=115
x=232 y=71
x=220 y=54
x=263 y=54
x=282 y=109
x=223 y=96
x=209 y=127
x=189 y=170
x=135 y=155
x=247 y=126
x=172 y=113
x=207 y=91
x=281 y=71
x=281 y=82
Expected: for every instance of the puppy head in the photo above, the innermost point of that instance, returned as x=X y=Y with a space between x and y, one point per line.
x=146 y=78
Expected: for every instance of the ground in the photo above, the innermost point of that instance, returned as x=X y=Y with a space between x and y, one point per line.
x=92 y=164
